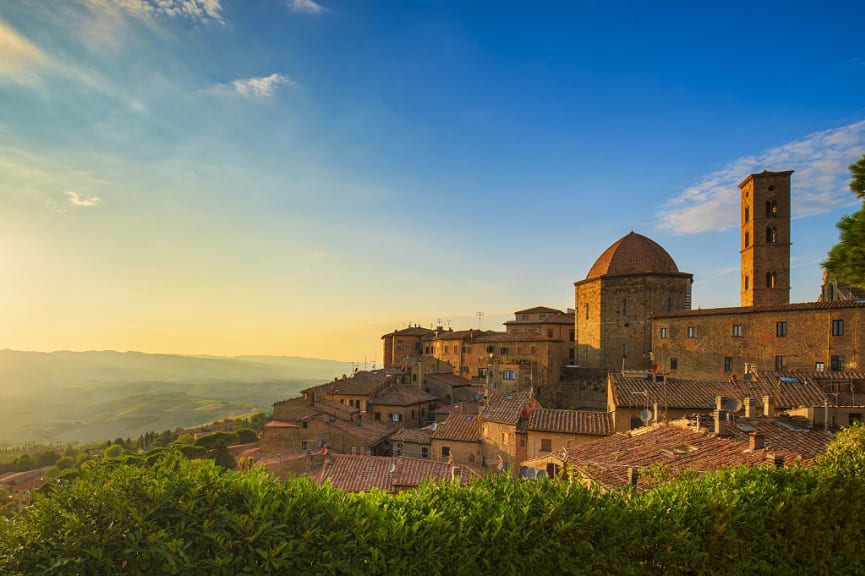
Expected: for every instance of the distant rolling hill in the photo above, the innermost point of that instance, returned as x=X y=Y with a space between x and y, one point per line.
x=81 y=396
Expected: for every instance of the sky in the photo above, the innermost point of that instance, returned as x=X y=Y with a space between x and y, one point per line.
x=300 y=177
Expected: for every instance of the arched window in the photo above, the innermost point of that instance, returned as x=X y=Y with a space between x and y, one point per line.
x=770 y=279
x=747 y=239
x=771 y=208
x=747 y=214
x=771 y=235
x=746 y=281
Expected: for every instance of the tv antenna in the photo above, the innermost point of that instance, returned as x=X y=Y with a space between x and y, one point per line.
x=480 y=316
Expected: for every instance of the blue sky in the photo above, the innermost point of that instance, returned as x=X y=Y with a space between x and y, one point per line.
x=299 y=177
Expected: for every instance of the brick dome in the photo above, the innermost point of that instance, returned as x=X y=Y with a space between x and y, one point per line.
x=633 y=254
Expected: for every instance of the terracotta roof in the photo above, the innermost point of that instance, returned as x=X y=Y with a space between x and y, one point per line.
x=464 y=407
x=782 y=434
x=799 y=306
x=571 y=421
x=281 y=424
x=633 y=254
x=337 y=406
x=606 y=461
x=401 y=395
x=539 y=310
x=370 y=433
x=361 y=384
x=459 y=428
x=410 y=331
x=361 y=473
x=494 y=337
x=505 y=407
x=630 y=391
x=413 y=435
x=450 y=379
x=787 y=393
x=456 y=335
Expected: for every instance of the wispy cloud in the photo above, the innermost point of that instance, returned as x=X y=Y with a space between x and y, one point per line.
x=196 y=10
x=262 y=86
x=306 y=6
x=17 y=53
x=77 y=199
x=819 y=184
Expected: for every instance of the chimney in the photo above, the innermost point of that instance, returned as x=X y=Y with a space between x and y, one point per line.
x=456 y=473
x=719 y=403
x=768 y=406
x=749 y=408
x=655 y=412
x=720 y=419
x=756 y=441
x=633 y=477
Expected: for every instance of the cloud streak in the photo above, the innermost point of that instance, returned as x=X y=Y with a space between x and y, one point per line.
x=306 y=7
x=819 y=184
x=196 y=10
x=16 y=52
x=80 y=200
x=261 y=87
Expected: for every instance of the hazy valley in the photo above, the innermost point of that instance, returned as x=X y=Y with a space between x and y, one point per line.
x=81 y=396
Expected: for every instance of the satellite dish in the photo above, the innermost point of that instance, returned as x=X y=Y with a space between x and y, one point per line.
x=433 y=426
x=645 y=415
x=542 y=474
x=531 y=473
x=731 y=404
x=749 y=377
x=524 y=471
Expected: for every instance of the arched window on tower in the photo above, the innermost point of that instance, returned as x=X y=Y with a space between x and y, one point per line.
x=771 y=235
x=747 y=214
x=770 y=279
x=746 y=281
x=747 y=239
x=771 y=208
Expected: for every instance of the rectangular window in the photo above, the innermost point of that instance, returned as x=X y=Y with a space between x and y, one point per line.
x=465 y=349
x=446 y=451
x=780 y=329
x=837 y=363
x=819 y=366
x=503 y=350
x=737 y=330
x=674 y=363
x=509 y=375
x=728 y=363
x=464 y=369
x=571 y=336
x=491 y=349
x=396 y=417
x=692 y=332
x=586 y=308
x=549 y=333
x=837 y=327
x=482 y=372
x=446 y=349
x=424 y=452
x=780 y=363
x=664 y=333
x=504 y=438
x=378 y=415
x=546 y=445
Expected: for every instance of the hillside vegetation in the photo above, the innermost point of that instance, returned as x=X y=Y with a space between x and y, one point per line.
x=86 y=396
x=168 y=515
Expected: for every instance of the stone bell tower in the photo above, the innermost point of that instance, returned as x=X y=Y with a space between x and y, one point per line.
x=765 y=239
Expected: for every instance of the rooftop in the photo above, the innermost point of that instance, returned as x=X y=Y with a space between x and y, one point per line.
x=633 y=254
x=459 y=428
x=362 y=473
x=571 y=421
x=401 y=395
x=505 y=407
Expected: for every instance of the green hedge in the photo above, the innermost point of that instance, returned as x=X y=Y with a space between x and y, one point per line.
x=173 y=516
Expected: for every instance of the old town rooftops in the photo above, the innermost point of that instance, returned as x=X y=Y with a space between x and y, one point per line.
x=361 y=473
x=401 y=395
x=458 y=427
x=641 y=391
x=800 y=306
x=571 y=421
x=505 y=407
x=410 y=331
x=606 y=461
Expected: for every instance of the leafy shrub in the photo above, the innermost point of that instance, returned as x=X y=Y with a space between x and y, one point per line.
x=169 y=515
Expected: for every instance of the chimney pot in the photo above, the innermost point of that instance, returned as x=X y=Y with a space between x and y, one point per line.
x=756 y=441
x=768 y=406
x=633 y=476
x=749 y=408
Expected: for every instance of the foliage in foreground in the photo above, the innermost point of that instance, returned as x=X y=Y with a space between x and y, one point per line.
x=174 y=516
x=846 y=259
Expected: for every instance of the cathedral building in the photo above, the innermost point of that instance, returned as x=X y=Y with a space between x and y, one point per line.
x=633 y=309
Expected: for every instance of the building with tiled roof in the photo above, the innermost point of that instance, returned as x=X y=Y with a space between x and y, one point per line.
x=400 y=344
x=503 y=420
x=402 y=405
x=669 y=398
x=782 y=433
x=549 y=430
x=320 y=429
x=458 y=440
x=633 y=254
x=449 y=387
x=619 y=460
x=412 y=442
x=442 y=412
x=363 y=473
